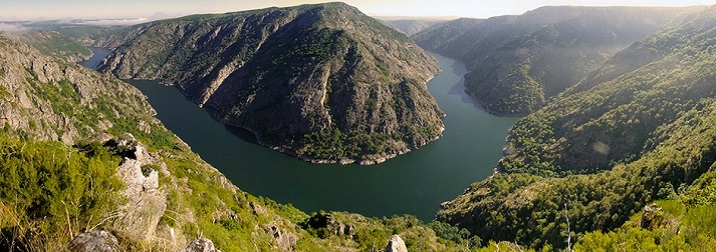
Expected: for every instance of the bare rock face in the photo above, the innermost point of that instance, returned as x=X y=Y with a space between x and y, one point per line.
x=396 y=244
x=200 y=245
x=329 y=222
x=94 y=241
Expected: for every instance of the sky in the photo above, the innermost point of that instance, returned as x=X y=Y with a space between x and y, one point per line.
x=15 y=10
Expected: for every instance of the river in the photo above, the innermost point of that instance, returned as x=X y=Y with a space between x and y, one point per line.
x=414 y=183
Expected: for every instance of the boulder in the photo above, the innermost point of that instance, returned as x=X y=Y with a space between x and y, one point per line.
x=201 y=244
x=94 y=241
x=396 y=244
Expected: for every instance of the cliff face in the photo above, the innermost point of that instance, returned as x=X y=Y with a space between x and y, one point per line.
x=516 y=63
x=323 y=82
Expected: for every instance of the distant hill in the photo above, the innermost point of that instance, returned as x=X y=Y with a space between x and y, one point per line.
x=516 y=63
x=323 y=82
x=411 y=26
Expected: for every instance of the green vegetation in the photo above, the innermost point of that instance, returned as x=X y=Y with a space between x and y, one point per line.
x=621 y=161
x=333 y=144
x=52 y=193
x=679 y=230
x=502 y=205
x=79 y=33
x=66 y=100
x=624 y=116
x=3 y=90
x=369 y=234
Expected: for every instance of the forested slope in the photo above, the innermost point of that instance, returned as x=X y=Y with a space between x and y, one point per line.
x=516 y=63
x=604 y=150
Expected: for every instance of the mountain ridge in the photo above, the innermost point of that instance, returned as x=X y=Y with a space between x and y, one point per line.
x=297 y=77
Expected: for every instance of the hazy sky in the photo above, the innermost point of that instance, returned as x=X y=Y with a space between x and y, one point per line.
x=153 y=9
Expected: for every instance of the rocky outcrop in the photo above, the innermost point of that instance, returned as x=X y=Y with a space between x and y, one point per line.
x=283 y=241
x=652 y=217
x=200 y=245
x=329 y=222
x=323 y=82
x=94 y=241
x=140 y=216
x=396 y=244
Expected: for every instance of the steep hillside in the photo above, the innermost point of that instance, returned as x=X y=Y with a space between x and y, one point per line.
x=643 y=132
x=410 y=26
x=323 y=82
x=120 y=179
x=516 y=63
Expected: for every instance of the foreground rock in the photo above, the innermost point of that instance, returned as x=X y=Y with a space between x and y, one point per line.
x=140 y=216
x=94 y=241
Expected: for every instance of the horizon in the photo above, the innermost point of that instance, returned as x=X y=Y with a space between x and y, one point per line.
x=137 y=11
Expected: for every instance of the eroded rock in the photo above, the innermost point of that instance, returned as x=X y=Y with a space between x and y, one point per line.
x=396 y=244
x=200 y=245
x=284 y=241
x=94 y=241
x=146 y=204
